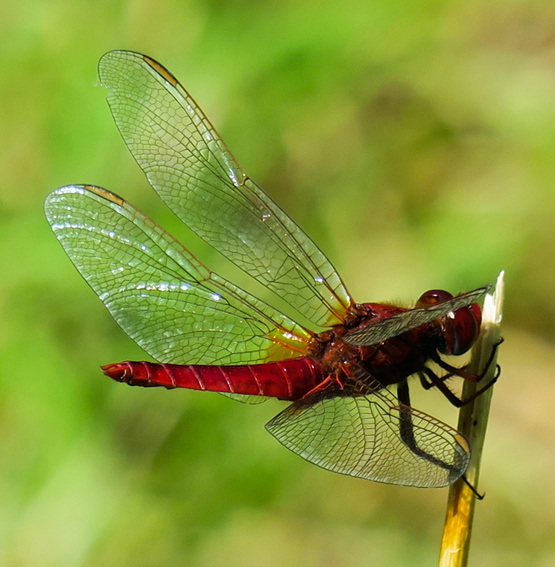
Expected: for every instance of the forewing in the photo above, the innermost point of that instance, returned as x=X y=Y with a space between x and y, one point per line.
x=161 y=295
x=402 y=322
x=360 y=436
x=194 y=173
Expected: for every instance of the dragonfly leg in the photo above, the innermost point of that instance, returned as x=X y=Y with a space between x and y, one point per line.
x=463 y=372
x=483 y=388
x=474 y=491
x=406 y=428
x=429 y=379
x=439 y=382
x=426 y=382
x=329 y=381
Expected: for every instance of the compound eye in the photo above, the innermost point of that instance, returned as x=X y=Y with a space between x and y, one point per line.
x=433 y=297
x=459 y=329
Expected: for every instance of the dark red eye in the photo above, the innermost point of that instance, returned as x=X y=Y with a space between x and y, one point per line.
x=433 y=297
x=460 y=328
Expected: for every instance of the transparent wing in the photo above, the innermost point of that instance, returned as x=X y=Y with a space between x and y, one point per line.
x=397 y=324
x=191 y=169
x=161 y=295
x=360 y=436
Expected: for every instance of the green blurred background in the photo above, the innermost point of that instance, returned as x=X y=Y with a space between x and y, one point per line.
x=414 y=140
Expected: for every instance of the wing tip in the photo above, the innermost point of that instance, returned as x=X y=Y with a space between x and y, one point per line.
x=83 y=190
x=161 y=70
x=112 y=58
x=105 y=194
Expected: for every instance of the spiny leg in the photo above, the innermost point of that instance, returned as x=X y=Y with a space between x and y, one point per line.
x=462 y=372
x=406 y=428
x=440 y=383
x=429 y=379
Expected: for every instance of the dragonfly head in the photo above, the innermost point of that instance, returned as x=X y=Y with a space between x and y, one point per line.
x=459 y=329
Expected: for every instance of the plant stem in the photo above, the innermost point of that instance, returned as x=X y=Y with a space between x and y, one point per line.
x=473 y=419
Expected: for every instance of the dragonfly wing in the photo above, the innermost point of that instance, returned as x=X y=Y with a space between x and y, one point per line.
x=160 y=294
x=194 y=173
x=360 y=436
x=402 y=322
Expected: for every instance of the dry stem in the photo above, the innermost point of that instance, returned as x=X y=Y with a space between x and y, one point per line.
x=473 y=419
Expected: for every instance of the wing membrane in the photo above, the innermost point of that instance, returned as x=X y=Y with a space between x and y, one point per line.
x=397 y=324
x=194 y=173
x=159 y=293
x=360 y=436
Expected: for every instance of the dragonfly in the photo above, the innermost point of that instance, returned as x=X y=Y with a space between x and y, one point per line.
x=346 y=371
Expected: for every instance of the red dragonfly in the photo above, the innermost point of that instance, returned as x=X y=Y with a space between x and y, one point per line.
x=351 y=410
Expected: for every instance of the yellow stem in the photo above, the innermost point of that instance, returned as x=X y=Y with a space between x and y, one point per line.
x=473 y=419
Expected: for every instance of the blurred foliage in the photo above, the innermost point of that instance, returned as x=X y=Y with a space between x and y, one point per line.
x=413 y=140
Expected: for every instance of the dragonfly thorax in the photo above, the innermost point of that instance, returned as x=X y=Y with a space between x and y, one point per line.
x=388 y=361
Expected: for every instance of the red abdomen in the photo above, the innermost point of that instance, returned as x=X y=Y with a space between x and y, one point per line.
x=287 y=380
